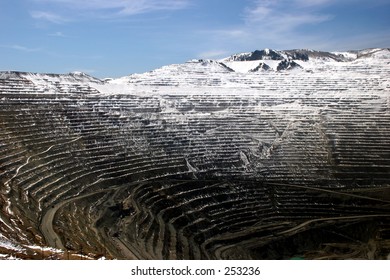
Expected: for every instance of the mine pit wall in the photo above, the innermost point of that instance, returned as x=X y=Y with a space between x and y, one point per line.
x=183 y=175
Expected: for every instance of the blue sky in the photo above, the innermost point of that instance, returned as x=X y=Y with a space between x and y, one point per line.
x=113 y=38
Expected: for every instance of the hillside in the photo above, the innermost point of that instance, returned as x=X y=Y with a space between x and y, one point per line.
x=262 y=155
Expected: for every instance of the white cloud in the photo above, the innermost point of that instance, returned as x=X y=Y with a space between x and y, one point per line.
x=57 y=34
x=276 y=24
x=308 y=3
x=20 y=48
x=284 y=15
x=282 y=24
x=48 y=16
x=234 y=33
x=214 y=54
x=113 y=7
x=380 y=39
x=149 y=6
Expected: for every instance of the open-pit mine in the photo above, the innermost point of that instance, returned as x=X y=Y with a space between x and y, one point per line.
x=263 y=155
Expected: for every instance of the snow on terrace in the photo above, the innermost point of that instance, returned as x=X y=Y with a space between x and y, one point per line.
x=75 y=82
x=70 y=78
x=216 y=74
x=247 y=66
x=211 y=74
x=9 y=249
x=9 y=245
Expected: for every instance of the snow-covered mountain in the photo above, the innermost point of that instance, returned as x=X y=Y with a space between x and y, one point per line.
x=225 y=72
x=250 y=69
x=269 y=59
x=303 y=55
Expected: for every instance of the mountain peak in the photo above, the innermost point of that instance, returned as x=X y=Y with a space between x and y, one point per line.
x=269 y=59
x=266 y=54
x=294 y=54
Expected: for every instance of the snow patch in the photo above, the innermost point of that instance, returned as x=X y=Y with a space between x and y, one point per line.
x=247 y=66
x=46 y=249
x=9 y=245
x=349 y=56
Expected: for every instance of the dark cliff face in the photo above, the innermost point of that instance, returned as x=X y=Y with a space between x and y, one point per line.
x=261 y=67
x=305 y=55
x=261 y=55
x=298 y=55
x=288 y=65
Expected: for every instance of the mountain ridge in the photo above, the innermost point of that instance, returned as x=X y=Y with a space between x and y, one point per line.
x=268 y=59
x=303 y=54
x=238 y=71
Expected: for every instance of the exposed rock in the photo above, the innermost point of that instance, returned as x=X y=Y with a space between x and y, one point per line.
x=287 y=65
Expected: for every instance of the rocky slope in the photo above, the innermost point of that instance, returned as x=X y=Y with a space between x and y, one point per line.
x=270 y=154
